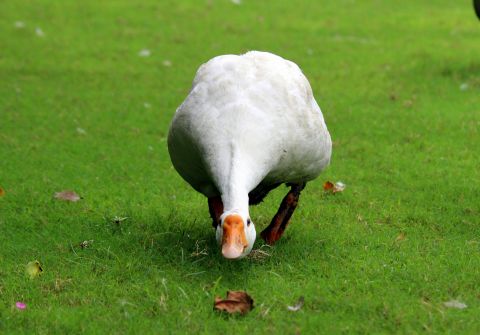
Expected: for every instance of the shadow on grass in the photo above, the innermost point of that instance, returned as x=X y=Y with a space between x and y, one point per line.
x=461 y=71
x=186 y=247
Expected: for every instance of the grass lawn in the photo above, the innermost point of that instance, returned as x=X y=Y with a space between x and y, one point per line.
x=87 y=92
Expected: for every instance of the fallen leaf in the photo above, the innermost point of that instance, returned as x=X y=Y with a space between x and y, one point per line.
x=236 y=302
x=239 y=296
x=33 y=269
x=21 y=305
x=400 y=237
x=67 y=195
x=455 y=304
x=330 y=187
x=2 y=192
x=297 y=306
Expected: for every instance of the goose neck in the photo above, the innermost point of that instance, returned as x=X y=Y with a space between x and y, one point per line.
x=235 y=198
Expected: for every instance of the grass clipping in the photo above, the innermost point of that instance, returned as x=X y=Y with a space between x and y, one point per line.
x=236 y=302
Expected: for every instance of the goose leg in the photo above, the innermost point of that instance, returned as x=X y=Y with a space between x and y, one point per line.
x=274 y=231
x=215 y=207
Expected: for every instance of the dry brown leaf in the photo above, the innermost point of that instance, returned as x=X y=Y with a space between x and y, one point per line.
x=330 y=187
x=2 y=192
x=239 y=296
x=400 y=237
x=67 y=195
x=236 y=302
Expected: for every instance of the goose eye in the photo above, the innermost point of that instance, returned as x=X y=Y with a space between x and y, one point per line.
x=248 y=222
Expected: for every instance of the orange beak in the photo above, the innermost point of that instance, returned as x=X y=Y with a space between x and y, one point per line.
x=234 y=240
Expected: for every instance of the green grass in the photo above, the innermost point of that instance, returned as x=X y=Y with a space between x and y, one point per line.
x=406 y=142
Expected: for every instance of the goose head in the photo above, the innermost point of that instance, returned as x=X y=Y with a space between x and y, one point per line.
x=235 y=234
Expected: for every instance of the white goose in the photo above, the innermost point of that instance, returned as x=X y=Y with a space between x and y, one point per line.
x=249 y=124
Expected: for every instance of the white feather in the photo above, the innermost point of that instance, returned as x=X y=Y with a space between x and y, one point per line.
x=247 y=120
